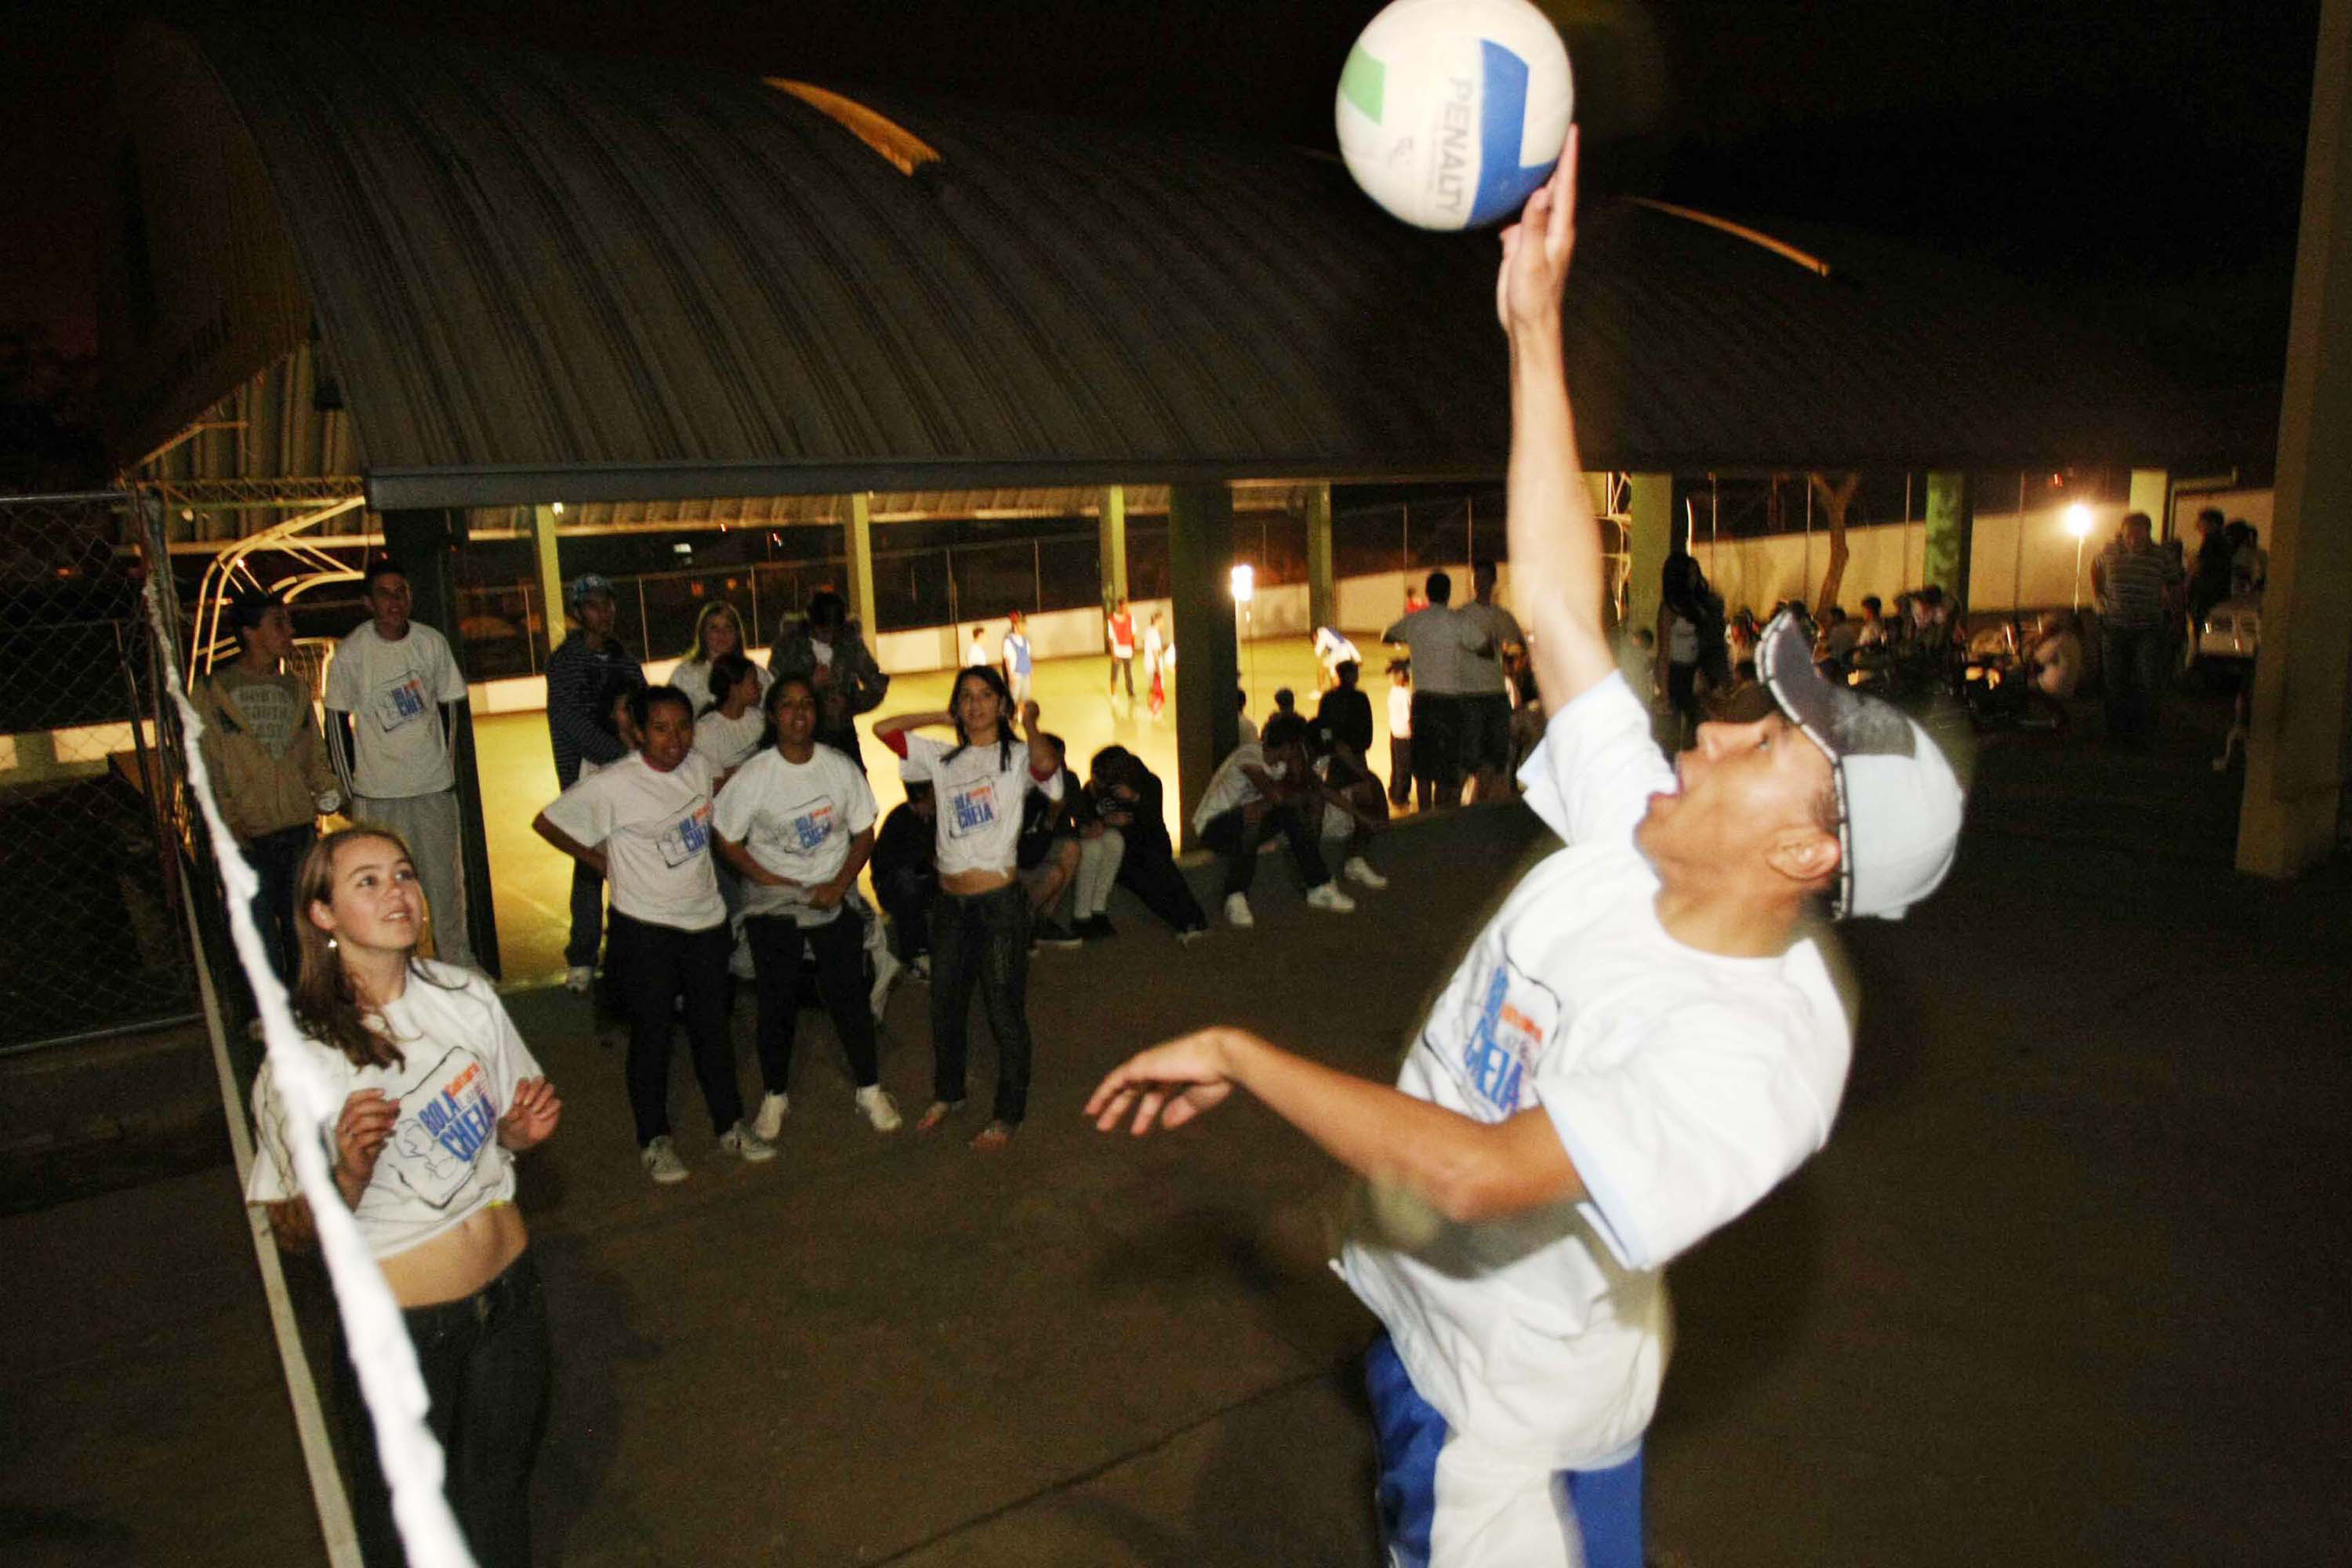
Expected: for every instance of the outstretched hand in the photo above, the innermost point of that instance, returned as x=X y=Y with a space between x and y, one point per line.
x=1535 y=251
x=532 y=1119
x=1173 y=1082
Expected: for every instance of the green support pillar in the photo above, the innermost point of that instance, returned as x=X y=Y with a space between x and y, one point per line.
x=2296 y=749
x=857 y=554
x=2151 y=493
x=425 y=544
x=1200 y=573
x=1113 y=546
x=551 y=574
x=1655 y=537
x=1322 y=591
x=1951 y=533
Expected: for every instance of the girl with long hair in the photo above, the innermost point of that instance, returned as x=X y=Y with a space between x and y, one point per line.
x=981 y=921
x=797 y=824
x=439 y=1094
x=718 y=631
x=730 y=726
x=644 y=824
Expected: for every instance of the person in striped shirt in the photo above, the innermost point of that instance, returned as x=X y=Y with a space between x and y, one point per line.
x=2137 y=583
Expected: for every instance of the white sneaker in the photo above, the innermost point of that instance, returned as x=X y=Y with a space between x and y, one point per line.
x=579 y=979
x=738 y=962
x=1357 y=870
x=1237 y=910
x=770 y=1124
x=661 y=1160
x=881 y=1110
x=918 y=969
x=885 y=975
x=745 y=1145
x=1330 y=897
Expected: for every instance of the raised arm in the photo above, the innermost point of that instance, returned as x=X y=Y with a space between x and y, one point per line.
x=1556 y=571
x=885 y=729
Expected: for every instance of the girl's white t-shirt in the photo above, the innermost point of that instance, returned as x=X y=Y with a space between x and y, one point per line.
x=656 y=830
x=692 y=677
x=797 y=820
x=1683 y=1084
x=1400 y=713
x=394 y=693
x=461 y=1059
x=979 y=799
x=726 y=743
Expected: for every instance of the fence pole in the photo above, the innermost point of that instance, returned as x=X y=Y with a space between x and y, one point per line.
x=644 y=630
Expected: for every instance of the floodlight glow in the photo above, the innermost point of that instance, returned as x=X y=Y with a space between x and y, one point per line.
x=1244 y=583
x=557 y=509
x=2078 y=520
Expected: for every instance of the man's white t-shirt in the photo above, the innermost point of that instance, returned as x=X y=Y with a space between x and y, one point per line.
x=1441 y=638
x=1229 y=787
x=394 y=690
x=1684 y=1086
x=656 y=830
x=725 y=742
x=797 y=820
x=978 y=819
x=461 y=1060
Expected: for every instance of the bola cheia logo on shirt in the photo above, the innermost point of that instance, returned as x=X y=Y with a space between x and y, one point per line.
x=972 y=807
x=687 y=837
x=1512 y=1016
x=445 y=1121
x=812 y=823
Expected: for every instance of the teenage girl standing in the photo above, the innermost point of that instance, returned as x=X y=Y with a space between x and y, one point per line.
x=437 y=1094
x=980 y=922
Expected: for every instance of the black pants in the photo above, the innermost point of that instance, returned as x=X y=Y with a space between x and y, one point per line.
x=587 y=917
x=1400 y=770
x=1119 y=667
x=1151 y=876
x=1233 y=836
x=662 y=962
x=981 y=940
x=1682 y=695
x=840 y=949
x=1437 y=744
x=277 y=858
x=907 y=895
x=485 y=1363
x=2134 y=663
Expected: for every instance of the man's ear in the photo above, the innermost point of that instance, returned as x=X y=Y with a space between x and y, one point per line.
x=1805 y=854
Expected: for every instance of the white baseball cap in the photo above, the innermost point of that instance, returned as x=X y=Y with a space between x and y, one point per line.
x=1899 y=803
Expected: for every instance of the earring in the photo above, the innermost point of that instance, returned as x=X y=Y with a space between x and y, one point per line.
x=330 y=944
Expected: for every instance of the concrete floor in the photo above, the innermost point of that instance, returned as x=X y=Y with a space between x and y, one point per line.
x=2066 y=1286
x=533 y=882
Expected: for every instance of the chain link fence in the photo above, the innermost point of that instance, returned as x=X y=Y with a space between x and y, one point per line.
x=94 y=938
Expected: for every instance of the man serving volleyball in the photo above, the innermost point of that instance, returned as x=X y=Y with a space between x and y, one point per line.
x=1640 y=1045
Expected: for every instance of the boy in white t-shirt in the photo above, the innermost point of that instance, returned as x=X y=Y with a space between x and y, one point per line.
x=797 y=824
x=1638 y=1046
x=393 y=694
x=644 y=824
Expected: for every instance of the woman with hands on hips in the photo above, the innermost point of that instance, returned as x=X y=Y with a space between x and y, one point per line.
x=438 y=1094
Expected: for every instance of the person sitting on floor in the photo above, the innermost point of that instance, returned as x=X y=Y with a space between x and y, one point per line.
x=1130 y=796
x=906 y=877
x=1257 y=791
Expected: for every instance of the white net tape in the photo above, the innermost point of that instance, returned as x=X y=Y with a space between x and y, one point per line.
x=373 y=1325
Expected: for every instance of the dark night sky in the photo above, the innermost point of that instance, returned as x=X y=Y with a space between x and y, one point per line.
x=2144 y=160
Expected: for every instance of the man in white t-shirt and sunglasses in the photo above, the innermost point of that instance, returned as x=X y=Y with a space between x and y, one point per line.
x=1641 y=1044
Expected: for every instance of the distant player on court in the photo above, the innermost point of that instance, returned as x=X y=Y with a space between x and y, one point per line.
x=1637 y=1047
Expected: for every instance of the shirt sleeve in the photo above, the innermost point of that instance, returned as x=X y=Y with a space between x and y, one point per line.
x=1050 y=788
x=272 y=1179
x=585 y=811
x=1598 y=765
x=738 y=804
x=860 y=809
x=343 y=693
x=1701 y=1122
x=449 y=685
x=513 y=1058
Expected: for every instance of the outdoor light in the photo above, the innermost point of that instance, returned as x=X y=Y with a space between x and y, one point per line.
x=557 y=509
x=1244 y=583
x=2078 y=523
